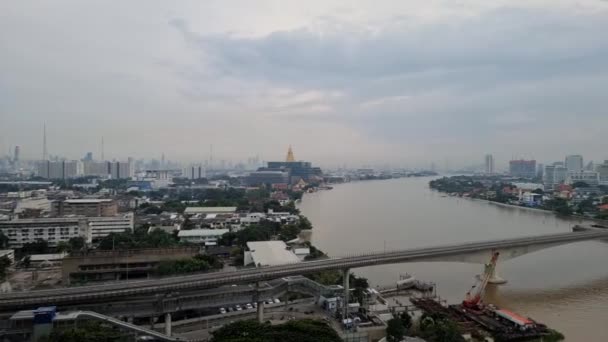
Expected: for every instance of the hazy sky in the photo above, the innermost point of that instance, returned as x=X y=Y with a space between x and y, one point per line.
x=342 y=81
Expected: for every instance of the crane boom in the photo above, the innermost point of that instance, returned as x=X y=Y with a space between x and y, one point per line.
x=473 y=300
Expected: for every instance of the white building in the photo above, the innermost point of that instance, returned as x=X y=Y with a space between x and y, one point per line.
x=103 y=226
x=574 y=163
x=194 y=172
x=560 y=175
x=489 y=164
x=549 y=177
x=268 y=253
x=208 y=237
x=60 y=169
x=589 y=177
x=95 y=168
x=122 y=170
x=52 y=230
x=602 y=170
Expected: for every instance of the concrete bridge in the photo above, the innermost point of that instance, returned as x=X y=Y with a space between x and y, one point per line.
x=474 y=252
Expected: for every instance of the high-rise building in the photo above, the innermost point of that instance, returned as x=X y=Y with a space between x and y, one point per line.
x=88 y=157
x=17 y=154
x=574 y=163
x=549 y=177
x=489 y=164
x=522 y=168
x=121 y=170
x=60 y=169
x=560 y=175
x=540 y=168
x=194 y=172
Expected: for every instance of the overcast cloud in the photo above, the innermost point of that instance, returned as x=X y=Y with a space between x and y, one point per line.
x=406 y=82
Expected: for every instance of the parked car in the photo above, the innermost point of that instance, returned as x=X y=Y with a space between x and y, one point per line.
x=230 y=309
x=249 y=306
x=276 y=300
x=238 y=308
x=255 y=305
x=222 y=311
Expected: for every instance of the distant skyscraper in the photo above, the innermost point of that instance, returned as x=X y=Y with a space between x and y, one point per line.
x=540 y=170
x=522 y=168
x=489 y=163
x=45 y=152
x=88 y=157
x=17 y=153
x=574 y=162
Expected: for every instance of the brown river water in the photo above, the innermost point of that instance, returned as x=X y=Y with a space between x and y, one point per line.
x=565 y=287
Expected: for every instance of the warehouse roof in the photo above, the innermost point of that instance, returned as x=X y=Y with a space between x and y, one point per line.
x=209 y=210
x=269 y=253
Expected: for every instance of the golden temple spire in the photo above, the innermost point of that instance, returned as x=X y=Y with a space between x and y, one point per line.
x=290 y=157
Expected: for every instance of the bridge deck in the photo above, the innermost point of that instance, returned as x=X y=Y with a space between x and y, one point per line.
x=100 y=293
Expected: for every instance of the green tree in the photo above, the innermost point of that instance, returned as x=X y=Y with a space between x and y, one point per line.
x=305 y=330
x=36 y=247
x=406 y=319
x=88 y=331
x=26 y=262
x=63 y=246
x=76 y=243
x=395 y=330
x=5 y=262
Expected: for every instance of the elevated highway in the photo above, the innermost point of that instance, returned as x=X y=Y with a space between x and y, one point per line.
x=465 y=252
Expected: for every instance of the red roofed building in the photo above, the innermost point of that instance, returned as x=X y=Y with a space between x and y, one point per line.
x=603 y=207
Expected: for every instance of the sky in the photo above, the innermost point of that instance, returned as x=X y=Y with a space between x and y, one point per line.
x=404 y=83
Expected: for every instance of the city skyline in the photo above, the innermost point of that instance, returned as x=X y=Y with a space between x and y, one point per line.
x=521 y=79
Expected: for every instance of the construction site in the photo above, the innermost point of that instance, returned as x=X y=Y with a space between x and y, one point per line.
x=480 y=320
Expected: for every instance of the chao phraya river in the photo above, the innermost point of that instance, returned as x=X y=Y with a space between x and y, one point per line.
x=565 y=287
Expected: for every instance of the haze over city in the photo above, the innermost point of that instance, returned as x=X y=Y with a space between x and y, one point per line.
x=405 y=82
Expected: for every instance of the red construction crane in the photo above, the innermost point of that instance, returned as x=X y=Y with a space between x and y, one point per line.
x=472 y=301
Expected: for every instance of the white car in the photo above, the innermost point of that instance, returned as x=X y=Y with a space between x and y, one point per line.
x=239 y=308
x=222 y=311
x=249 y=306
x=276 y=300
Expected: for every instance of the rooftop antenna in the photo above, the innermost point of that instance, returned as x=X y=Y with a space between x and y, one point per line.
x=45 y=153
x=211 y=157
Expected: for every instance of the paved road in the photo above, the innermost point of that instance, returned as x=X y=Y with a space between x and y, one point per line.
x=105 y=292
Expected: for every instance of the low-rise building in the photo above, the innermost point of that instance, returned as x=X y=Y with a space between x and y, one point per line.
x=52 y=230
x=584 y=176
x=90 y=207
x=103 y=226
x=119 y=264
x=209 y=210
x=207 y=237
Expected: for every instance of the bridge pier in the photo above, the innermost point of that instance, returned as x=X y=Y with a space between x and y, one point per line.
x=260 y=311
x=260 y=301
x=496 y=279
x=346 y=276
x=168 y=324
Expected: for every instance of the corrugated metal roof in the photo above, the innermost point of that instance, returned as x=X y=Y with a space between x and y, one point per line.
x=209 y=210
x=202 y=232
x=269 y=253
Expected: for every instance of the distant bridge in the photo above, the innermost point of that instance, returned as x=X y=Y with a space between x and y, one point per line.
x=475 y=252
